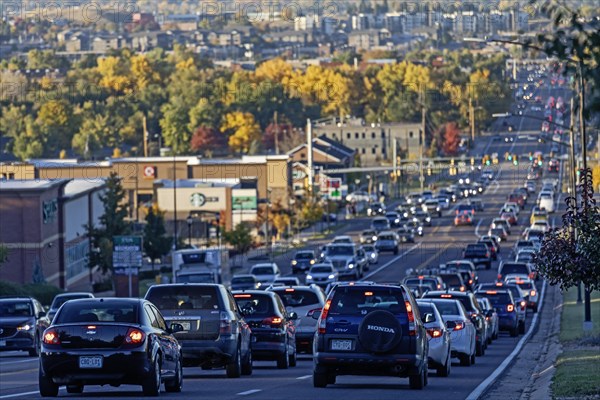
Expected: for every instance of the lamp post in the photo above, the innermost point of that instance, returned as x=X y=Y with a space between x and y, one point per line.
x=190 y=221
x=267 y=228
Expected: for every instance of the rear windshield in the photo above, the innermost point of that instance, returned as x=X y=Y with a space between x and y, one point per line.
x=526 y=285
x=359 y=301
x=369 y=248
x=447 y=307
x=514 y=269
x=106 y=311
x=465 y=300
x=340 y=251
x=242 y=279
x=386 y=237
x=184 y=297
x=426 y=309
x=297 y=298
x=380 y=222
x=255 y=304
x=60 y=300
x=451 y=280
x=11 y=308
x=196 y=278
x=262 y=271
x=499 y=299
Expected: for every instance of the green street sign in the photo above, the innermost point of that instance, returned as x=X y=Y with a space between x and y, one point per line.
x=127 y=251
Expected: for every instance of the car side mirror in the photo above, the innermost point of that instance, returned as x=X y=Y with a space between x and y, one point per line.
x=293 y=316
x=428 y=318
x=174 y=328
x=450 y=325
x=41 y=314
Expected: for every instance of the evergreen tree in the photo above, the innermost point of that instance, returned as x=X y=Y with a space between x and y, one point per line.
x=156 y=243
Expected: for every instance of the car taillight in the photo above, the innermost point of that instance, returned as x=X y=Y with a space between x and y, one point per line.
x=459 y=326
x=532 y=293
x=523 y=304
x=273 y=322
x=470 y=281
x=323 y=318
x=224 y=324
x=499 y=277
x=487 y=254
x=532 y=275
x=434 y=332
x=134 y=336
x=412 y=330
x=51 y=337
x=510 y=308
x=462 y=288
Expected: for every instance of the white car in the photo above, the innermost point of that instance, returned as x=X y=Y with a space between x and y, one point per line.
x=546 y=202
x=360 y=197
x=322 y=274
x=512 y=204
x=372 y=253
x=265 y=272
x=342 y=239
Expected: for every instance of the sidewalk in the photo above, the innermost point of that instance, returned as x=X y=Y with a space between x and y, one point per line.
x=530 y=375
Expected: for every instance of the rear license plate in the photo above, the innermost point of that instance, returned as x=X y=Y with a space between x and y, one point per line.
x=186 y=324
x=2 y=343
x=90 y=362
x=341 y=345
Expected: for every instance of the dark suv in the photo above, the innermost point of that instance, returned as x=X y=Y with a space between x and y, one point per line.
x=214 y=332
x=370 y=329
x=22 y=322
x=478 y=253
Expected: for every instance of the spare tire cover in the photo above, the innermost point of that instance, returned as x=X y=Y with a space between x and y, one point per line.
x=379 y=332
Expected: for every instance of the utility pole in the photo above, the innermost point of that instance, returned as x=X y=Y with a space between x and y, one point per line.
x=395 y=163
x=472 y=120
x=309 y=157
x=276 y=133
x=573 y=174
x=145 y=137
x=421 y=146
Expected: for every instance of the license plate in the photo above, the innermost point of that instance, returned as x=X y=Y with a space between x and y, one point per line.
x=2 y=343
x=186 y=324
x=341 y=345
x=90 y=362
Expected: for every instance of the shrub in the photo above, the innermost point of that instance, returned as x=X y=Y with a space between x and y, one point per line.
x=43 y=292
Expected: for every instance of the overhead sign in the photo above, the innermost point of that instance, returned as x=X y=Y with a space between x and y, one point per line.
x=127 y=251
x=149 y=172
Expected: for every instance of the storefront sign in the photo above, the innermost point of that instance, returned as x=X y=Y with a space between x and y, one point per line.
x=244 y=203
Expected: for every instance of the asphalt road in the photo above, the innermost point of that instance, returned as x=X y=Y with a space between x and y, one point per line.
x=441 y=242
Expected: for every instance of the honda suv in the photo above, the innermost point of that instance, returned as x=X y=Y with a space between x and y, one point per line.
x=214 y=332
x=370 y=329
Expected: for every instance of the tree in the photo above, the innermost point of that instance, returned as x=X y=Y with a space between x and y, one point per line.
x=206 y=139
x=3 y=253
x=569 y=255
x=55 y=119
x=281 y=221
x=242 y=130
x=451 y=139
x=240 y=238
x=112 y=223
x=92 y=133
x=156 y=243
x=174 y=125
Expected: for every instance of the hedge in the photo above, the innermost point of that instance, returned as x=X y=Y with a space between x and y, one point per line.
x=43 y=292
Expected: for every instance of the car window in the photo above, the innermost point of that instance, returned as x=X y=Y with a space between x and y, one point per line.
x=162 y=324
x=184 y=297
x=498 y=299
x=323 y=269
x=447 y=307
x=242 y=279
x=255 y=304
x=60 y=300
x=304 y=255
x=359 y=301
x=514 y=269
x=340 y=251
x=151 y=316
x=426 y=309
x=297 y=297
x=107 y=311
x=15 y=308
x=262 y=271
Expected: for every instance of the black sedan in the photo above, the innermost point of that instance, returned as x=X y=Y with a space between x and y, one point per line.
x=110 y=341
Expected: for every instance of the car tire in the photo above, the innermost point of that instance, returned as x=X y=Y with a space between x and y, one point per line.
x=293 y=359
x=234 y=368
x=495 y=335
x=514 y=332
x=47 y=387
x=35 y=351
x=444 y=370
x=377 y=341
x=417 y=382
x=176 y=384
x=535 y=308
x=396 y=251
x=283 y=360
x=465 y=360
x=151 y=384
x=472 y=359
x=247 y=364
x=320 y=378
x=521 y=328
x=479 y=349
x=331 y=379
x=75 y=389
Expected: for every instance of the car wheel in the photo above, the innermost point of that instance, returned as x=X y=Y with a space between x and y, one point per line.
x=320 y=378
x=444 y=370
x=283 y=360
x=514 y=332
x=465 y=360
x=176 y=384
x=535 y=308
x=331 y=379
x=234 y=368
x=247 y=365
x=293 y=359
x=522 y=328
x=495 y=335
x=418 y=381
x=396 y=251
x=35 y=351
x=75 y=389
x=489 y=339
x=472 y=359
x=151 y=385
x=479 y=349
x=47 y=387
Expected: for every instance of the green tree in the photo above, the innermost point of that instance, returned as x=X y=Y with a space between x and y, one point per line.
x=156 y=243
x=239 y=237
x=29 y=144
x=112 y=223
x=55 y=119
x=3 y=253
x=175 y=127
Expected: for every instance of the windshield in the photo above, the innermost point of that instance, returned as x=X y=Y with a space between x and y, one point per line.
x=515 y=269
x=96 y=311
x=196 y=278
x=183 y=297
x=321 y=270
x=298 y=298
x=499 y=299
x=10 y=308
x=340 y=251
x=304 y=256
x=262 y=271
x=378 y=222
x=369 y=249
x=447 y=307
x=255 y=304
x=242 y=279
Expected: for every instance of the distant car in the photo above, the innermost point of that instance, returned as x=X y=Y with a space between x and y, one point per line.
x=477 y=204
x=342 y=239
x=393 y=217
x=286 y=281
x=371 y=253
x=322 y=274
x=405 y=234
x=244 y=282
x=132 y=344
x=424 y=217
x=62 y=298
x=358 y=197
x=303 y=260
x=22 y=321
x=464 y=218
x=266 y=272
x=387 y=241
x=376 y=209
x=439 y=354
x=379 y=224
x=368 y=236
x=432 y=206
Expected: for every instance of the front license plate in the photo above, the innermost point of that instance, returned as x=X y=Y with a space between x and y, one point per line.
x=2 y=343
x=341 y=345
x=90 y=362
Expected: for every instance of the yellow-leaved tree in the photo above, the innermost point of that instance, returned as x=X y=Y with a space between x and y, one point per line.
x=142 y=71
x=114 y=74
x=276 y=70
x=242 y=130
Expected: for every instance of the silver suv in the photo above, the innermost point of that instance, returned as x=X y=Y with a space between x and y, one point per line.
x=345 y=259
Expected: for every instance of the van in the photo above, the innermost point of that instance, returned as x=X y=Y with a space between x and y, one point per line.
x=547 y=203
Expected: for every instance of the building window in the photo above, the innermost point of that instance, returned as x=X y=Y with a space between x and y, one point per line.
x=355 y=135
x=363 y=135
x=364 y=150
x=302 y=156
x=410 y=134
x=348 y=135
x=372 y=135
x=373 y=150
x=383 y=134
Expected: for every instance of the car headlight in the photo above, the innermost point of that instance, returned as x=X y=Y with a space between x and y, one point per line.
x=396 y=221
x=374 y=238
x=294 y=262
x=372 y=255
x=331 y=276
x=25 y=327
x=350 y=266
x=408 y=201
x=428 y=219
x=312 y=262
x=309 y=277
x=437 y=209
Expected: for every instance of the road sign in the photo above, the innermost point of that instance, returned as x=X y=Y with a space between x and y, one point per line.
x=149 y=172
x=127 y=251
x=335 y=194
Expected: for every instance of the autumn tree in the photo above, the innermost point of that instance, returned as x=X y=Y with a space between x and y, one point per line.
x=242 y=131
x=451 y=139
x=207 y=140
x=55 y=120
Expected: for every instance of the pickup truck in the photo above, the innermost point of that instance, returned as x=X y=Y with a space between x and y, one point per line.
x=478 y=253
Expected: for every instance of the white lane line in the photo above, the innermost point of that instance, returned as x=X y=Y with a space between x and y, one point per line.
x=393 y=260
x=300 y=378
x=483 y=386
x=477 y=227
x=18 y=362
x=249 y=392
x=11 y=396
x=496 y=187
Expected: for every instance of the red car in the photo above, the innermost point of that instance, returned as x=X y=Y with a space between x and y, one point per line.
x=464 y=218
x=517 y=198
x=510 y=217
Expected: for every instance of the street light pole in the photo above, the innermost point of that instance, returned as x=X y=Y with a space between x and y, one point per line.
x=190 y=221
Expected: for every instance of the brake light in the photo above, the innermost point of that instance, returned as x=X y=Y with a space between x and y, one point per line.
x=532 y=275
x=242 y=296
x=421 y=276
x=523 y=304
x=532 y=293
x=434 y=333
x=487 y=318
x=487 y=254
x=272 y=322
x=439 y=286
x=290 y=290
x=224 y=324
x=499 y=276
x=135 y=336
x=368 y=293
x=459 y=326
x=491 y=292
x=500 y=284
x=470 y=281
x=412 y=330
x=510 y=308
x=323 y=319
x=51 y=337
x=446 y=296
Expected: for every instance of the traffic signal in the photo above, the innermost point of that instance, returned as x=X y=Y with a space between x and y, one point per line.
x=510 y=157
x=530 y=156
x=516 y=160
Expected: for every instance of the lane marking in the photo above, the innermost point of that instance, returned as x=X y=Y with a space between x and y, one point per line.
x=10 y=396
x=477 y=227
x=249 y=392
x=304 y=377
x=18 y=362
x=393 y=260
x=434 y=256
